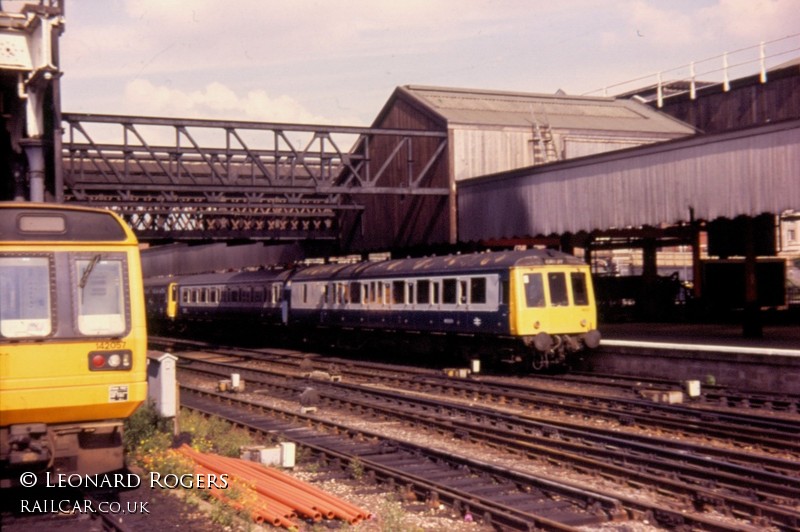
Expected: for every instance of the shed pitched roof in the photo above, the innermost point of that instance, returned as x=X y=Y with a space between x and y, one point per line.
x=559 y=111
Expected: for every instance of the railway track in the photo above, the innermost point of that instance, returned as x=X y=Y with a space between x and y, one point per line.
x=501 y=497
x=703 y=476
x=772 y=435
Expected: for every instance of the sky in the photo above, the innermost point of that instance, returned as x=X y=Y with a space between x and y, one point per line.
x=338 y=61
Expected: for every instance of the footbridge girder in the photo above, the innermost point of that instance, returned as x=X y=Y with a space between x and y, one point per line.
x=189 y=179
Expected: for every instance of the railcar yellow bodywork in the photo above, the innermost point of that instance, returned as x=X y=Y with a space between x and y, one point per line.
x=73 y=338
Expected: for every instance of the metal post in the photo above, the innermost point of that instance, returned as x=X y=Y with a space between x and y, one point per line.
x=726 y=84
x=660 y=93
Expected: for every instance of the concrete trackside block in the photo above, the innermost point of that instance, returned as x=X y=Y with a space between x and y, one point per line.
x=661 y=396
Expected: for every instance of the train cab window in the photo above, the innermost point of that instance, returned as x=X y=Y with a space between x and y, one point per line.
x=477 y=290
x=557 y=283
x=449 y=291
x=25 y=306
x=101 y=296
x=580 y=294
x=423 y=292
x=534 y=290
x=398 y=292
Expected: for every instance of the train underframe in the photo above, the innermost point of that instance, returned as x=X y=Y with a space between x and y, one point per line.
x=86 y=448
x=524 y=353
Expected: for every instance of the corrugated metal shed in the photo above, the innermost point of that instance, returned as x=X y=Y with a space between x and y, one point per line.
x=559 y=111
x=494 y=131
x=745 y=172
x=488 y=132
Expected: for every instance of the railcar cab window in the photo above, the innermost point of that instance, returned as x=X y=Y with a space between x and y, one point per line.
x=25 y=305
x=580 y=293
x=557 y=283
x=534 y=290
x=101 y=296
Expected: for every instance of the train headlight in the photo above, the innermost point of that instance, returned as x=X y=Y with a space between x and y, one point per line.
x=110 y=360
x=583 y=323
x=536 y=324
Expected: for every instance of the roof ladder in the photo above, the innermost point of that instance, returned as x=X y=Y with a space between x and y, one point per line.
x=544 y=149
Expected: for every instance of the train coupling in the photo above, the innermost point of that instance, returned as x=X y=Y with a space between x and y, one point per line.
x=28 y=444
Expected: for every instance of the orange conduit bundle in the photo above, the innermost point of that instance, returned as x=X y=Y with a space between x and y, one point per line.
x=279 y=497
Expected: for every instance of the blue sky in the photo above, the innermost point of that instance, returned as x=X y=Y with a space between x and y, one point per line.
x=337 y=62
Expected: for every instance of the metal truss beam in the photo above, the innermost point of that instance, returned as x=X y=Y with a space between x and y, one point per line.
x=184 y=179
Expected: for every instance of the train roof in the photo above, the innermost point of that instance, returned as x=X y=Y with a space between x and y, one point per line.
x=50 y=222
x=258 y=276
x=449 y=264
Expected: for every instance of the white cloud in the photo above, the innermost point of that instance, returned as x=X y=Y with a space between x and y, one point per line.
x=757 y=20
x=215 y=101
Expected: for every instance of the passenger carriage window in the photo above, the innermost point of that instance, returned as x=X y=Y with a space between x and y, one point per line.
x=462 y=292
x=436 y=290
x=557 y=283
x=423 y=292
x=213 y=295
x=534 y=290
x=504 y=291
x=477 y=290
x=386 y=293
x=410 y=291
x=101 y=296
x=276 y=293
x=398 y=292
x=203 y=295
x=449 y=291
x=580 y=294
x=355 y=292
x=25 y=306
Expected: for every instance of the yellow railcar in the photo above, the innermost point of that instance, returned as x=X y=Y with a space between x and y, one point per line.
x=73 y=341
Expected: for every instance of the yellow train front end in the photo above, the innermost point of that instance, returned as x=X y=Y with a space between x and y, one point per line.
x=553 y=310
x=73 y=338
